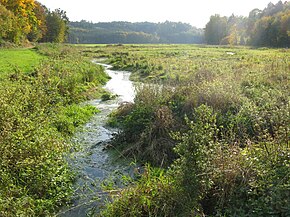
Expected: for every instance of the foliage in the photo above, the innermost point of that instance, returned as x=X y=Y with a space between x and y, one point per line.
x=72 y=117
x=264 y=182
x=146 y=125
x=56 y=22
x=23 y=20
x=272 y=26
x=215 y=29
x=36 y=115
x=39 y=31
x=8 y=23
x=269 y=27
x=154 y=194
x=195 y=151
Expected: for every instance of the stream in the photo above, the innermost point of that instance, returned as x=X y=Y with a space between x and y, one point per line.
x=92 y=163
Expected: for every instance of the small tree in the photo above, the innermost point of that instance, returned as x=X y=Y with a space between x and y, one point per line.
x=215 y=29
x=57 y=27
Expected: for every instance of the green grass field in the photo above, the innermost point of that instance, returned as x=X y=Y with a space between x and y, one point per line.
x=23 y=60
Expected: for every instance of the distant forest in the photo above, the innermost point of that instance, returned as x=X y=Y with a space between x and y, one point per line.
x=126 y=32
x=269 y=27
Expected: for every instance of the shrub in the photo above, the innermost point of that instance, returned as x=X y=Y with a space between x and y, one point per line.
x=154 y=194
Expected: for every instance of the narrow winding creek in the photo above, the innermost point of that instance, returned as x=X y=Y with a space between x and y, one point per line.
x=94 y=164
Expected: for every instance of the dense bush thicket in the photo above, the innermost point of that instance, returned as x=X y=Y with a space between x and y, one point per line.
x=37 y=113
x=220 y=131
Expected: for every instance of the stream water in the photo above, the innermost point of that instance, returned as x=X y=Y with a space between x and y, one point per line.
x=92 y=163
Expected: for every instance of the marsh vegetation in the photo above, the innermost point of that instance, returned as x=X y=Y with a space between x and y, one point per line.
x=213 y=123
x=208 y=126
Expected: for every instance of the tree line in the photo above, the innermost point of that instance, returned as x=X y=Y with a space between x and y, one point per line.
x=140 y=32
x=29 y=20
x=269 y=27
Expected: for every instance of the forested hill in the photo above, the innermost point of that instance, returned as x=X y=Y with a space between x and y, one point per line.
x=127 y=32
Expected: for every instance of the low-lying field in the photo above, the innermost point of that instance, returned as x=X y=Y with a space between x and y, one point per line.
x=217 y=122
x=179 y=62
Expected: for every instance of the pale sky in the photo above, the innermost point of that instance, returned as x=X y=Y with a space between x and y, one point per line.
x=196 y=13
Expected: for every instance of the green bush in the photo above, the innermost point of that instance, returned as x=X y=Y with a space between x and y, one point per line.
x=72 y=117
x=154 y=194
x=267 y=186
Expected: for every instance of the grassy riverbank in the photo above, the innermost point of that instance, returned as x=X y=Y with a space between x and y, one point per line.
x=23 y=60
x=39 y=92
x=218 y=126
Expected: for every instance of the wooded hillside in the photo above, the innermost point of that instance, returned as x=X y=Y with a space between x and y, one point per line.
x=139 y=33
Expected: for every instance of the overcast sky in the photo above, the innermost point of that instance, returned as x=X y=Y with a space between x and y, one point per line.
x=195 y=12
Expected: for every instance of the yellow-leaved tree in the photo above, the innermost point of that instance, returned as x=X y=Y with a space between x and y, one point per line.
x=24 y=18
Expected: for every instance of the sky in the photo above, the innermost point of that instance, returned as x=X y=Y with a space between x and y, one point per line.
x=194 y=12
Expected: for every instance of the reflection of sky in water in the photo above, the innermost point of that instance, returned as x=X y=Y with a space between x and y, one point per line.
x=121 y=85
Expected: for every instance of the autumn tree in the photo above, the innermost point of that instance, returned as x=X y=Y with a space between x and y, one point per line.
x=24 y=17
x=38 y=31
x=8 y=25
x=272 y=27
x=268 y=27
x=23 y=20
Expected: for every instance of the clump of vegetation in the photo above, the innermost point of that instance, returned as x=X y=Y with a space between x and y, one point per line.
x=146 y=126
x=37 y=112
x=220 y=130
x=154 y=194
x=73 y=116
x=108 y=96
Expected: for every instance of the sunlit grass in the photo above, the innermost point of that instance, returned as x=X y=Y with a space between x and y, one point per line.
x=23 y=60
x=178 y=62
